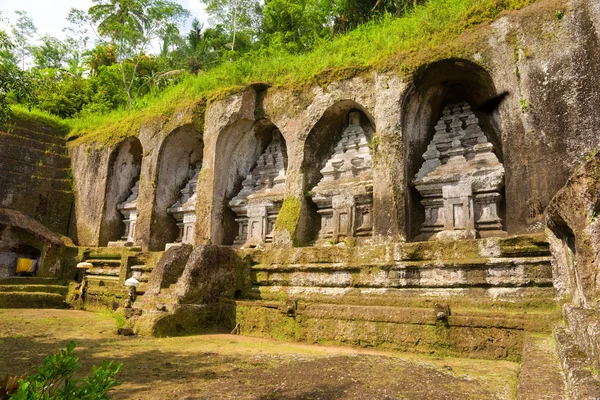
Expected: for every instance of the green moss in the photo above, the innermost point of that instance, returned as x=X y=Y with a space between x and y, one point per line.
x=289 y=215
x=40 y=117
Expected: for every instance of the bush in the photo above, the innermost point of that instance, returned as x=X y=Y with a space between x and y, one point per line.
x=54 y=379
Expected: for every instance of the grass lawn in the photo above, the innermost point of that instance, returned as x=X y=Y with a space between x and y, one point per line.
x=236 y=367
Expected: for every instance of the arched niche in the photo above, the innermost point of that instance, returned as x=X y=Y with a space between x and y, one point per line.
x=326 y=144
x=180 y=155
x=238 y=151
x=123 y=174
x=436 y=86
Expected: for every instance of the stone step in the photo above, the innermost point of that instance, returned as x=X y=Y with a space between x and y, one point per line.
x=32 y=155
x=534 y=245
x=583 y=383
x=33 y=280
x=103 y=281
x=106 y=253
x=32 y=300
x=45 y=171
x=472 y=318
x=53 y=145
x=142 y=268
x=24 y=127
x=104 y=271
x=8 y=179
x=59 y=289
x=494 y=272
x=494 y=298
x=540 y=377
x=476 y=333
x=104 y=262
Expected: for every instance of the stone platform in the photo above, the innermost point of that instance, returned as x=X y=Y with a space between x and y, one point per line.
x=478 y=298
x=475 y=297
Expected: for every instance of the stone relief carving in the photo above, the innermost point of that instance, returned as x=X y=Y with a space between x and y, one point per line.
x=184 y=209
x=461 y=180
x=129 y=210
x=344 y=196
x=258 y=203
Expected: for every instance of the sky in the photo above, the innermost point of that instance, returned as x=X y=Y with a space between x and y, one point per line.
x=49 y=16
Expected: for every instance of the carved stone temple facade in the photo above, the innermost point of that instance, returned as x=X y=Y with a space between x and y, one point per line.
x=344 y=196
x=258 y=203
x=129 y=210
x=461 y=180
x=184 y=210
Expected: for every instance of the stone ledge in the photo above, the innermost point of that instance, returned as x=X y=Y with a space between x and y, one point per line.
x=32 y=300
x=582 y=382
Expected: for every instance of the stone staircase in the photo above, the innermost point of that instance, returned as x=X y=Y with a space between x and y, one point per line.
x=111 y=266
x=473 y=297
x=35 y=159
x=33 y=292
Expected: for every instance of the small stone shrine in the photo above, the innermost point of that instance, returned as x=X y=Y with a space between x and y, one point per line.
x=184 y=210
x=129 y=210
x=461 y=180
x=258 y=203
x=344 y=196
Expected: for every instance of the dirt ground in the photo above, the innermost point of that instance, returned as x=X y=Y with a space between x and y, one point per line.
x=236 y=367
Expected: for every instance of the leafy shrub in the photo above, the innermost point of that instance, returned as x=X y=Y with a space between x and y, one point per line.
x=54 y=379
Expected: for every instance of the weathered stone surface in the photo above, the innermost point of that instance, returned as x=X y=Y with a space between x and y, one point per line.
x=461 y=180
x=258 y=203
x=184 y=210
x=210 y=273
x=34 y=175
x=582 y=382
x=169 y=269
x=344 y=196
x=574 y=235
x=540 y=377
x=23 y=236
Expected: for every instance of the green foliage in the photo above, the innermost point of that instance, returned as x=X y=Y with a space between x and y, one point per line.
x=16 y=85
x=40 y=117
x=54 y=379
x=289 y=215
x=524 y=105
x=377 y=44
x=131 y=25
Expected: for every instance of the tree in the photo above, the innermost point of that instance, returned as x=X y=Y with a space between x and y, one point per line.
x=14 y=81
x=22 y=32
x=295 y=24
x=52 y=53
x=236 y=16
x=130 y=25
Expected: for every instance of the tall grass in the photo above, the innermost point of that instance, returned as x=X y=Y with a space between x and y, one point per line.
x=367 y=47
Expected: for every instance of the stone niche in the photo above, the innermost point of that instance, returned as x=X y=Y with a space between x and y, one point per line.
x=128 y=209
x=344 y=195
x=257 y=204
x=461 y=181
x=184 y=210
x=119 y=213
x=180 y=157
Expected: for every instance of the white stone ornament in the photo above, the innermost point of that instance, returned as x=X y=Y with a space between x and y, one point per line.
x=258 y=203
x=461 y=180
x=129 y=210
x=184 y=209
x=344 y=196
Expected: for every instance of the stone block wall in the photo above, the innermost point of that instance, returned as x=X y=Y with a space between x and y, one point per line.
x=35 y=174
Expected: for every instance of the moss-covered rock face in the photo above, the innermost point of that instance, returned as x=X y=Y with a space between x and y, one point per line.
x=36 y=178
x=574 y=236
